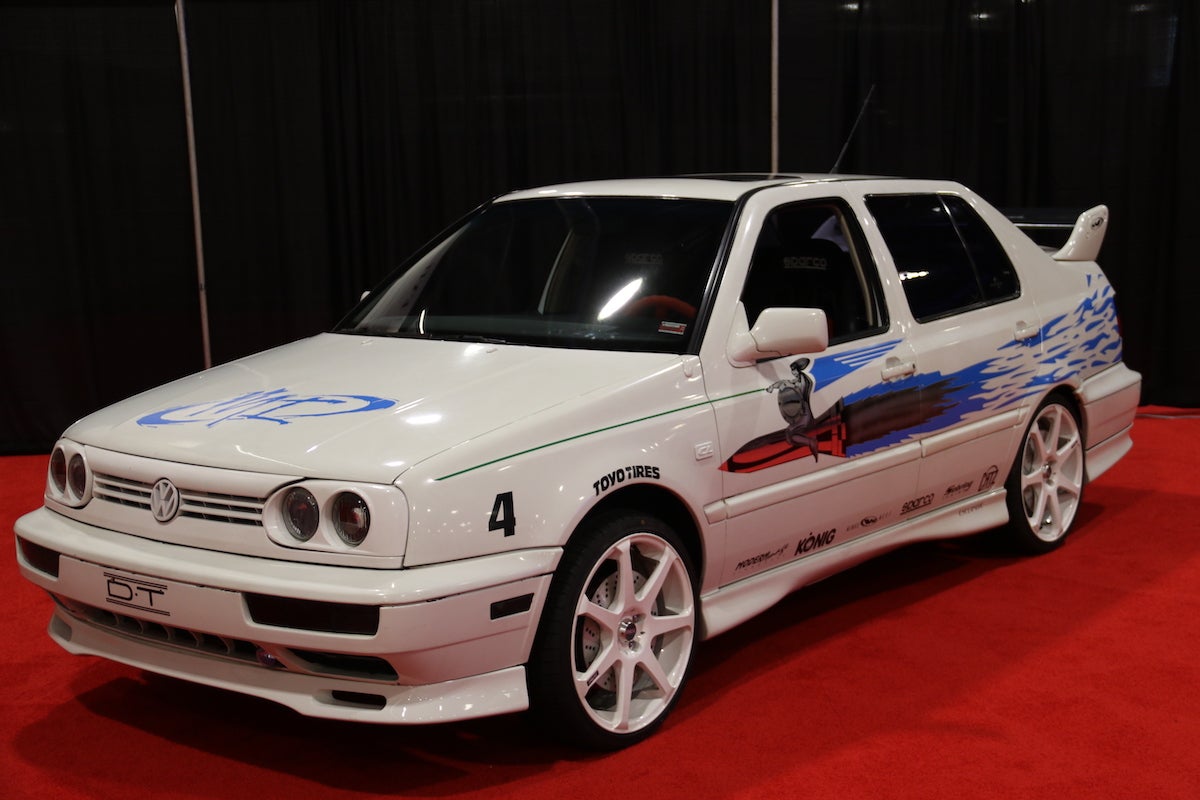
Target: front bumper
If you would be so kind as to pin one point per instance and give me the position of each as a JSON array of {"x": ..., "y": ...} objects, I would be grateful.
[{"x": 414, "y": 645}]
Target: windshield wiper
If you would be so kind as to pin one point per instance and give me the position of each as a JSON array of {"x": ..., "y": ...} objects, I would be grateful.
[
  {"x": 448, "y": 336},
  {"x": 359, "y": 330},
  {"x": 468, "y": 337}
]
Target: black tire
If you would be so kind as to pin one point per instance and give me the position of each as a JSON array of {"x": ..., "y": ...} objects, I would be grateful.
[
  {"x": 1045, "y": 485},
  {"x": 616, "y": 639}
]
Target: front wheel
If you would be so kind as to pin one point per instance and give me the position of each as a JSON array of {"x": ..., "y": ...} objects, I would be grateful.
[
  {"x": 1045, "y": 485},
  {"x": 616, "y": 640}
]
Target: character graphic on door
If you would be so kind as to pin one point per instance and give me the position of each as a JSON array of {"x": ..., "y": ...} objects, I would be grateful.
[
  {"x": 795, "y": 404},
  {"x": 806, "y": 433}
]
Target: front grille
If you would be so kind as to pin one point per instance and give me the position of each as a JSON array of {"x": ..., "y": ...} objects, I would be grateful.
[
  {"x": 229, "y": 508},
  {"x": 164, "y": 634}
]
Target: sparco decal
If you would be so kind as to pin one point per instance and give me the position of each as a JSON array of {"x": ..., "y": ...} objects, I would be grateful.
[
  {"x": 760, "y": 558},
  {"x": 915, "y": 503},
  {"x": 815, "y": 541},
  {"x": 623, "y": 474}
]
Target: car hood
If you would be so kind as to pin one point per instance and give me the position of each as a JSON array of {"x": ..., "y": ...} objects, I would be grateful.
[{"x": 352, "y": 407}]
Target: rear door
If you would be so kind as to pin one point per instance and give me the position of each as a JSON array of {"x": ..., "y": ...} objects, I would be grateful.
[{"x": 977, "y": 340}]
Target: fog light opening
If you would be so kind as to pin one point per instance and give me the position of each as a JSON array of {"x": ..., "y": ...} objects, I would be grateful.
[
  {"x": 374, "y": 702},
  {"x": 267, "y": 660}
]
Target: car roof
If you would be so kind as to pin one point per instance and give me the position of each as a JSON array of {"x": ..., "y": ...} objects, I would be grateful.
[{"x": 709, "y": 187}]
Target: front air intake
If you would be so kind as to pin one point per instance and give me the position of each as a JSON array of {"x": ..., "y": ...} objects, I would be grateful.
[{"x": 313, "y": 615}]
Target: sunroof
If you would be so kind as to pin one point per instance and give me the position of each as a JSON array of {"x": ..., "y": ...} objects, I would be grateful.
[{"x": 749, "y": 177}]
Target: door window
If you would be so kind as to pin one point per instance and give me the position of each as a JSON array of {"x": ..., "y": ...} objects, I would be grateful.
[{"x": 810, "y": 255}]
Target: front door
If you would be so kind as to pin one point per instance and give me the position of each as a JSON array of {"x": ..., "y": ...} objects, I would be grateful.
[{"x": 813, "y": 448}]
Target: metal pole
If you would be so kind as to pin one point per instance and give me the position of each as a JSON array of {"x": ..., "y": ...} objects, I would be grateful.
[
  {"x": 774, "y": 86},
  {"x": 181, "y": 27}
]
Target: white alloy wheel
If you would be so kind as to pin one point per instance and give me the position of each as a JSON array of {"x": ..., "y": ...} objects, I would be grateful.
[
  {"x": 619, "y": 634},
  {"x": 1046, "y": 483}
]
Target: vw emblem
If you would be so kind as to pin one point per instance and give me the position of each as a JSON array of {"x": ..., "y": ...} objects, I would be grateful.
[{"x": 164, "y": 501}]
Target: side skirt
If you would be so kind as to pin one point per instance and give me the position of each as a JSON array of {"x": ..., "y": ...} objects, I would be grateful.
[{"x": 735, "y": 603}]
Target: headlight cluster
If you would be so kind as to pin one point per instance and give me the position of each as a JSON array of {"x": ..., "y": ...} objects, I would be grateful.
[
  {"x": 344, "y": 513},
  {"x": 301, "y": 514},
  {"x": 69, "y": 480},
  {"x": 351, "y": 518}
]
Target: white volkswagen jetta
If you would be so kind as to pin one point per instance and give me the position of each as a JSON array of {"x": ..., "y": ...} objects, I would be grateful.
[{"x": 585, "y": 428}]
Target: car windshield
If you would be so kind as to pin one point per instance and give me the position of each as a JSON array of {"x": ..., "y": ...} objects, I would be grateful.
[{"x": 612, "y": 273}]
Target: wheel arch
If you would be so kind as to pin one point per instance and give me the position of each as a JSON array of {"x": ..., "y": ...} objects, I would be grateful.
[
  {"x": 1069, "y": 393},
  {"x": 662, "y": 503},
  {"x": 1044, "y": 525},
  {"x": 555, "y": 698}
]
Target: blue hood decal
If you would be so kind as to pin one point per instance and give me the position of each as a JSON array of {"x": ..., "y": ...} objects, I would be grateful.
[{"x": 277, "y": 405}]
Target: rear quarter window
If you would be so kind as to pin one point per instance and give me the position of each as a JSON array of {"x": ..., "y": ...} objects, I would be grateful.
[{"x": 948, "y": 259}]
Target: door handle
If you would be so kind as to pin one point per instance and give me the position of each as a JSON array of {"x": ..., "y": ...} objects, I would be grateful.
[
  {"x": 894, "y": 368},
  {"x": 1024, "y": 332}
]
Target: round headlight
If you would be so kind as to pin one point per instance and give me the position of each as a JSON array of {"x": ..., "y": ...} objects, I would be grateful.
[
  {"x": 351, "y": 518},
  {"x": 77, "y": 476},
  {"x": 58, "y": 470},
  {"x": 300, "y": 513}
]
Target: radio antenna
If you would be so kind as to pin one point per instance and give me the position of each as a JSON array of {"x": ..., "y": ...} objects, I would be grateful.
[{"x": 857, "y": 120}]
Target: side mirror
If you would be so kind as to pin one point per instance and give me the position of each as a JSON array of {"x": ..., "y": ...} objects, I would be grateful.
[{"x": 779, "y": 332}]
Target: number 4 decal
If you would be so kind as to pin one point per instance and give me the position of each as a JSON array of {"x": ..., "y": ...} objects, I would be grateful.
[{"x": 503, "y": 518}]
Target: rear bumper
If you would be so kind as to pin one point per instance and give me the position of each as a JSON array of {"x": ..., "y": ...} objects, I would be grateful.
[
  {"x": 1110, "y": 400},
  {"x": 415, "y": 645}
]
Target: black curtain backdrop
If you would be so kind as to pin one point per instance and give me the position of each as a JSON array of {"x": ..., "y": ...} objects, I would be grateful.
[
  {"x": 335, "y": 137},
  {"x": 98, "y": 298}
]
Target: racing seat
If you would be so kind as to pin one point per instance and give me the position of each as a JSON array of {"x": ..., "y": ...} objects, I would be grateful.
[{"x": 811, "y": 273}]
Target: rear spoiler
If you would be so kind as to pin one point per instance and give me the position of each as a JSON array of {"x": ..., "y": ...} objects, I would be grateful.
[{"x": 1047, "y": 227}]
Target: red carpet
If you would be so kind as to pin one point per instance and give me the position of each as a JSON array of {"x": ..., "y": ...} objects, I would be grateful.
[{"x": 940, "y": 671}]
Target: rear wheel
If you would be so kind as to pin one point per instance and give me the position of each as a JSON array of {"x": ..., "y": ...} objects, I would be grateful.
[
  {"x": 616, "y": 640},
  {"x": 1045, "y": 485}
]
